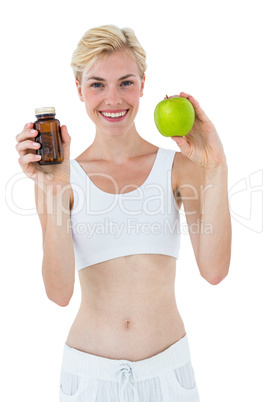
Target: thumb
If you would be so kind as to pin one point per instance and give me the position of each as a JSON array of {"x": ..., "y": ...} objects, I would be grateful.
[{"x": 66, "y": 140}]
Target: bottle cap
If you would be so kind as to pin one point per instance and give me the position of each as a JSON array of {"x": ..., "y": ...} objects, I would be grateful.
[{"x": 44, "y": 110}]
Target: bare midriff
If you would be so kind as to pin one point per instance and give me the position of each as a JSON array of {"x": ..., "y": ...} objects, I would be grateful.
[{"x": 128, "y": 308}]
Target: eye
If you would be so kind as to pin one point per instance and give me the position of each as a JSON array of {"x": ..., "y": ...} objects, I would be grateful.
[
  {"x": 128, "y": 83},
  {"x": 96, "y": 83},
  {"x": 124, "y": 84}
]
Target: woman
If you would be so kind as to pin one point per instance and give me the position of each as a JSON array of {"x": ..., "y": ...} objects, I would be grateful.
[{"x": 112, "y": 213}]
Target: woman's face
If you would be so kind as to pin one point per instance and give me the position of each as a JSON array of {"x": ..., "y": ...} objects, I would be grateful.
[{"x": 112, "y": 85}]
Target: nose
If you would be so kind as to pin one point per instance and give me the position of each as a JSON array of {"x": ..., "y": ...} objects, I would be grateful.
[{"x": 113, "y": 96}]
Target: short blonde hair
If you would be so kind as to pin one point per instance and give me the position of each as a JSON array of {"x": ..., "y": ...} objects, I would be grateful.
[{"x": 101, "y": 41}]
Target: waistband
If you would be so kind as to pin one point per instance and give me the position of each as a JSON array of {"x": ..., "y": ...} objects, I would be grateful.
[{"x": 101, "y": 368}]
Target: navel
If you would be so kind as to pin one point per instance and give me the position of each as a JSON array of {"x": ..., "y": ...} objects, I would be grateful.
[{"x": 127, "y": 324}]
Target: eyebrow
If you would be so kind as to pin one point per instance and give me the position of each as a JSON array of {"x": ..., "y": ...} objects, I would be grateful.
[{"x": 102, "y": 79}]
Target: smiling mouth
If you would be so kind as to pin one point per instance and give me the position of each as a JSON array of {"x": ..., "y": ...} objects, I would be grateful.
[{"x": 114, "y": 116}]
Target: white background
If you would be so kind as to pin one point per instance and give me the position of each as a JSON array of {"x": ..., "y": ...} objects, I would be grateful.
[{"x": 215, "y": 51}]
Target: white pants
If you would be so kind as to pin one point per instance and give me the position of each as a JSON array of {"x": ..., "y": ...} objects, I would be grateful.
[{"x": 165, "y": 377}]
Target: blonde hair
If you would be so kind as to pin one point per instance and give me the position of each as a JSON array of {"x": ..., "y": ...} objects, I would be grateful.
[{"x": 101, "y": 41}]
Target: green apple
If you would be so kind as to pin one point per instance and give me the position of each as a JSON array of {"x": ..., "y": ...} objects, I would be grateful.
[{"x": 174, "y": 116}]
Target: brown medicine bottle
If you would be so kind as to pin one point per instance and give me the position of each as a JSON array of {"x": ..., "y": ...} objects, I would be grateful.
[{"x": 49, "y": 136}]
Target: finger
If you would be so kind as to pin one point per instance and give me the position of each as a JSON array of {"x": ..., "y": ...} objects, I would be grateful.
[
  {"x": 180, "y": 140},
  {"x": 29, "y": 125},
  {"x": 26, "y": 159},
  {"x": 184, "y": 95},
  {"x": 23, "y": 147},
  {"x": 182, "y": 143},
  {"x": 198, "y": 110},
  {"x": 26, "y": 133}
]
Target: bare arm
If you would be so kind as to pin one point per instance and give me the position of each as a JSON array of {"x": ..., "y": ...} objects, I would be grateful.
[
  {"x": 205, "y": 200},
  {"x": 215, "y": 243},
  {"x": 58, "y": 267},
  {"x": 53, "y": 196},
  {"x": 205, "y": 171}
]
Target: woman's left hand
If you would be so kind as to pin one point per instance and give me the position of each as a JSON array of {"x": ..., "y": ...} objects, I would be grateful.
[{"x": 202, "y": 144}]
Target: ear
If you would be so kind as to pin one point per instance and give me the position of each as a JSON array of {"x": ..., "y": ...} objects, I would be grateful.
[
  {"x": 79, "y": 90},
  {"x": 142, "y": 85}
]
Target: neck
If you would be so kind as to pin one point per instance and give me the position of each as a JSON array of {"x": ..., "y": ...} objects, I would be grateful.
[{"x": 117, "y": 147}]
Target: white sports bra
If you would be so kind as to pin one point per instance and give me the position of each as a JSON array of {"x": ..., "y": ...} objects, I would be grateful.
[{"x": 143, "y": 221}]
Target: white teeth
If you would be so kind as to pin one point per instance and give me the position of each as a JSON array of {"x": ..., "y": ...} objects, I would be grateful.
[{"x": 114, "y": 114}]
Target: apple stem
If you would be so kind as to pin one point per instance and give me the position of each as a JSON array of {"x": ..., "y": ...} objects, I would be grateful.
[{"x": 167, "y": 97}]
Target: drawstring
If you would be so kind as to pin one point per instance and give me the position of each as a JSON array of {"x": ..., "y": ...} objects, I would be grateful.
[{"x": 124, "y": 381}]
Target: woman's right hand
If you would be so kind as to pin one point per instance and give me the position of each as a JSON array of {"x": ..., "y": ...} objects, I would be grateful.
[{"x": 51, "y": 178}]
